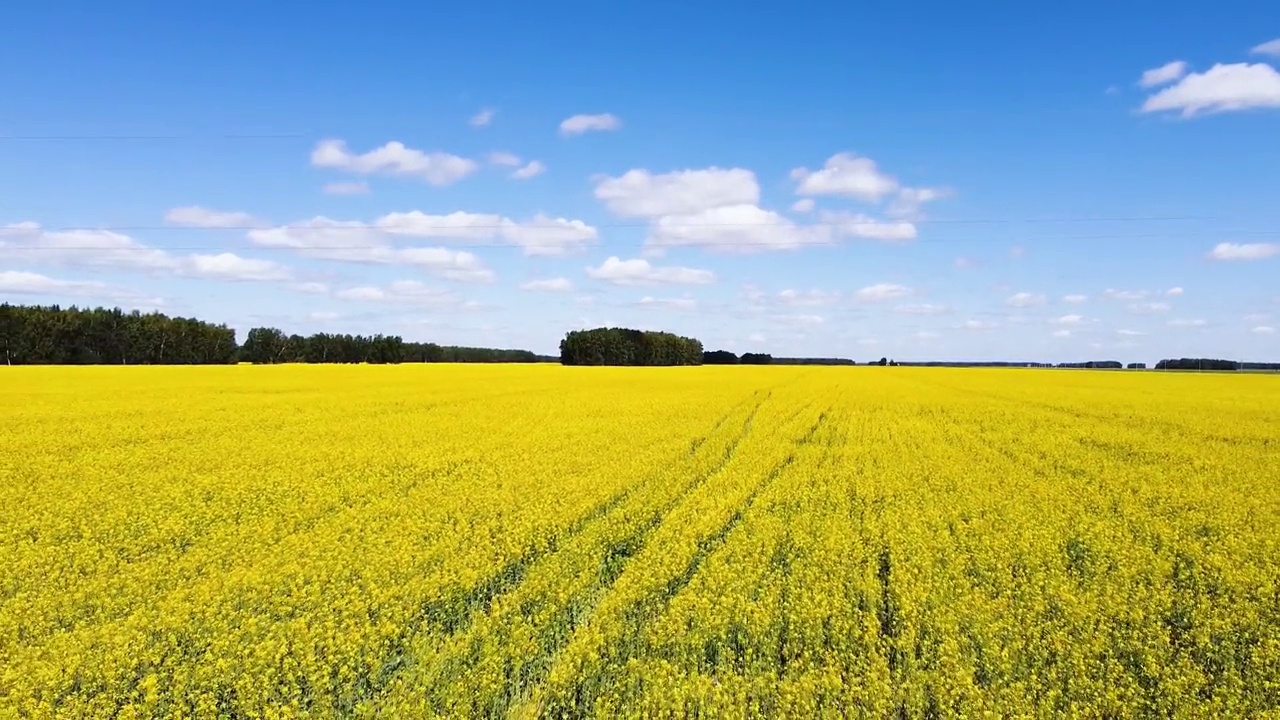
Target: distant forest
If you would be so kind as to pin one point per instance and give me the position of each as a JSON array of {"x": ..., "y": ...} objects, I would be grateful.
[{"x": 53, "y": 335}]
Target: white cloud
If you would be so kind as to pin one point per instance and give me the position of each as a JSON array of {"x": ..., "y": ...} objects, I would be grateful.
[
  {"x": 803, "y": 205},
  {"x": 1024, "y": 299},
  {"x": 1174, "y": 292},
  {"x": 346, "y": 188},
  {"x": 978, "y": 325},
  {"x": 345, "y": 241},
  {"x": 848, "y": 175},
  {"x": 1075, "y": 299},
  {"x": 1222, "y": 88},
  {"x": 1244, "y": 251},
  {"x": 107, "y": 250},
  {"x": 1163, "y": 75},
  {"x": 228, "y": 266},
  {"x": 861, "y": 226},
  {"x": 407, "y": 292},
  {"x": 1061, "y": 333},
  {"x": 1187, "y": 323},
  {"x": 504, "y": 159},
  {"x": 1256, "y": 317},
  {"x": 549, "y": 285},
  {"x": 1263, "y": 330},
  {"x": 1068, "y": 320},
  {"x": 668, "y": 303},
  {"x": 579, "y": 124},
  {"x": 1130, "y": 333},
  {"x": 1149, "y": 308},
  {"x": 339, "y": 240},
  {"x": 1017, "y": 251},
  {"x": 196, "y": 216},
  {"x": 908, "y": 202},
  {"x": 1125, "y": 295},
  {"x": 14, "y": 282},
  {"x": 436, "y": 168},
  {"x": 733, "y": 228},
  {"x": 923, "y": 309},
  {"x": 800, "y": 319},
  {"x": 482, "y": 118},
  {"x": 639, "y": 193},
  {"x": 926, "y": 335},
  {"x": 883, "y": 291},
  {"x": 1271, "y": 47},
  {"x": 812, "y": 298},
  {"x": 532, "y": 169},
  {"x": 641, "y": 272},
  {"x": 311, "y": 288},
  {"x": 963, "y": 263}
]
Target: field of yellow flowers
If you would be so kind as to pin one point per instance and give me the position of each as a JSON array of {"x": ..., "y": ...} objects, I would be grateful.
[{"x": 541, "y": 541}]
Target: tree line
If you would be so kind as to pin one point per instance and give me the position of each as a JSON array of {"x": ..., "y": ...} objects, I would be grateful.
[
  {"x": 53, "y": 335},
  {"x": 624, "y": 346}
]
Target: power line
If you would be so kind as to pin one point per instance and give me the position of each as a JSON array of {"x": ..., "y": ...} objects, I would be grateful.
[
  {"x": 462, "y": 243},
  {"x": 223, "y": 136},
  {"x": 417, "y": 227}
]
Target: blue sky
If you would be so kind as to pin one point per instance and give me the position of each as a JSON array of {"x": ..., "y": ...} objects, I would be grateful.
[{"x": 922, "y": 181}]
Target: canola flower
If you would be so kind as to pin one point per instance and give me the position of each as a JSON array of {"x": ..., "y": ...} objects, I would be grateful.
[{"x": 539, "y": 541}]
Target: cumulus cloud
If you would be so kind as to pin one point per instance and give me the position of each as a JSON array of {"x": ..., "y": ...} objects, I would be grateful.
[
  {"x": 683, "y": 303},
  {"x": 1163, "y": 75},
  {"x": 1244, "y": 251},
  {"x": 1263, "y": 330},
  {"x": 14, "y": 282},
  {"x": 979, "y": 325},
  {"x": 531, "y": 169},
  {"x": 394, "y": 158},
  {"x": 108, "y": 250},
  {"x": 883, "y": 291},
  {"x": 1130, "y": 333},
  {"x": 344, "y": 241},
  {"x": 310, "y": 288},
  {"x": 733, "y": 228},
  {"x": 346, "y": 188},
  {"x": 803, "y": 205},
  {"x": 1025, "y": 299},
  {"x": 482, "y": 118},
  {"x": 196, "y": 216},
  {"x": 1125, "y": 295},
  {"x": 923, "y": 309},
  {"x": 548, "y": 285},
  {"x": 1174, "y": 292},
  {"x": 810, "y": 298},
  {"x": 857, "y": 225},
  {"x": 228, "y": 266},
  {"x": 324, "y": 238},
  {"x": 848, "y": 175},
  {"x": 1221, "y": 88},
  {"x": 400, "y": 292},
  {"x": 1075, "y": 299},
  {"x": 1271, "y": 47},
  {"x": 640, "y": 272},
  {"x": 1061, "y": 333},
  {"x": 1149, "y": 308},
  {"x": 504, "y": 159},
  {"x": 639, "y": 193},
  {"x": 909, "y": 201},
  {"x": 579, "y": 124},
  {"x": 1068, "y": 320}
]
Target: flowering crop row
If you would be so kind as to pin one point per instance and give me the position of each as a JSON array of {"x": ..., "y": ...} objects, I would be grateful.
[{"x": 460, "y": 541}]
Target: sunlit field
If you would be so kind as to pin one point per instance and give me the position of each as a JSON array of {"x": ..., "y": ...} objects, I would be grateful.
[{"x": 540, "y": 541}]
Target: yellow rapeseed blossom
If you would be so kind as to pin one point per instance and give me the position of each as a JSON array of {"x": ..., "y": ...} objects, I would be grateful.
[{"x": 540, "y": 541}]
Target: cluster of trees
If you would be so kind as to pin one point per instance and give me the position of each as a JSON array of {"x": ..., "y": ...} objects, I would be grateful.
[
  {"x": 623, "y": 346},
  {"x": 1213, "y": 364},
  {"x": 267, "y": 345},
  {"x": 53, "y": 335}
]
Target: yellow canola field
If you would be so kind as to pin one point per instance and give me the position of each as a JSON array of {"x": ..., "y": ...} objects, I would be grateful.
[{"x": 540, "y": 541}]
